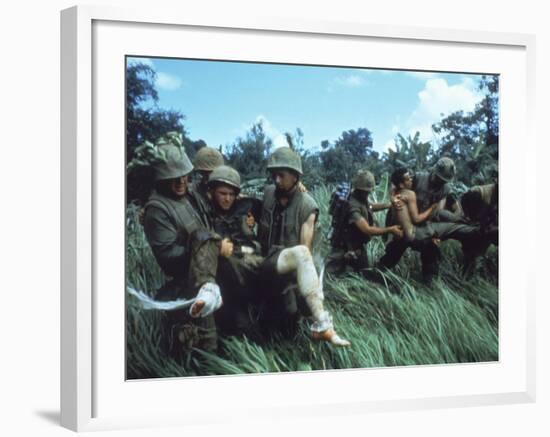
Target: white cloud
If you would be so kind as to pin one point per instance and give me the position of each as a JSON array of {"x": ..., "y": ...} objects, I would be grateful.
[
  {"x": 168, "y": 82},
  {"x": 277, "y": 138},
  {"x": 437, "y": 98},
  {"x": 352, "y": 81}
]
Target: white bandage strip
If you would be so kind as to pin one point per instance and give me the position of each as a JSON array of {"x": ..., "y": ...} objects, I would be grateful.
[
  {"x": 147, "y": 303},
  {"x": 209, "y": 293}
]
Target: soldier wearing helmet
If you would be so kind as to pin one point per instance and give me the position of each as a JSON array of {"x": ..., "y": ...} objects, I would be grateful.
[
  {"x": 230, "y": 212},
  {"x": 285, "y": 231},
  {"x": 179, "y": 238},
  {"x": 431, "y": 192},
  {"x": 480, "y": 206},
  {"x": 357, "y": 227},
  {"x": 206, "y": 160},
  {"x": 237, "y": 274}
]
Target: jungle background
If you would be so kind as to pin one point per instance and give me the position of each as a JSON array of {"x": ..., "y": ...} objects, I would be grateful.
[{"x": 399, "y": 322}]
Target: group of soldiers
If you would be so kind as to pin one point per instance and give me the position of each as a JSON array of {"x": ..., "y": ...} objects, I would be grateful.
[
  {"x": 247, "y": 263},
  {"x": 422, "y": 213}
]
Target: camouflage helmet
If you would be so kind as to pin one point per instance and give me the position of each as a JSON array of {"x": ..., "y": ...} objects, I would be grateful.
[
  {"x": 285, "y": 157},
  {"x": 364, "y": 180},
  {"x": 173, "y": 162},
  {"x": 225, "y": 175},
  {"x": 207, "y": 159},
  {"x": 445, "y": 169}
]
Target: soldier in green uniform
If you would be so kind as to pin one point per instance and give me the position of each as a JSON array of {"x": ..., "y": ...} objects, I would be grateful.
[
  {"x": 431, "y": 188},
  {"x": 286, "y": 231},
  {"x": 206, "y": 160},
  {"x": 480, "y": 206},
  {"x": 181, "y": 241},
  {"x": 238, "y": 274},
  {"x": 357, "y": 228}
]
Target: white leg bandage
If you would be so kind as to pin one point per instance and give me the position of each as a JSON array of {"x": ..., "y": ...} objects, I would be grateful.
[{"x": 298, "y": 259}]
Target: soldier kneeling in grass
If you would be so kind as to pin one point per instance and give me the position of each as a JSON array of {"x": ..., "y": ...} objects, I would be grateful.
[{"x": 353, "y": 226}]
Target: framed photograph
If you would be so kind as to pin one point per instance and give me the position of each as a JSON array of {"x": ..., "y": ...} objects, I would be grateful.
[{"x": 408, "y": 149}]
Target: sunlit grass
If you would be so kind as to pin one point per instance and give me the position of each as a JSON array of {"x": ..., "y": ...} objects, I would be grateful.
[{"x": 397, "y": 322}]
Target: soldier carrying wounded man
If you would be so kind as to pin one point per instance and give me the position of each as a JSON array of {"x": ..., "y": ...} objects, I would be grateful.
[{"x": 284, "y": 257}]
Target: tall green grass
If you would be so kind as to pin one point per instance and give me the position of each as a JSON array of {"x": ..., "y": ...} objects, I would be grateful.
[{"x": 397, "y": 322}]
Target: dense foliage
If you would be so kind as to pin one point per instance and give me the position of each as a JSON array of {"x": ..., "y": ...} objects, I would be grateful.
[{"x": 471, "y": 139}]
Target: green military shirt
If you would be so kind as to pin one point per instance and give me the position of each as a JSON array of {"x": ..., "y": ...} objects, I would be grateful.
[
  {"x": 280, "y": 226},
  {"x": 426, "y": 194},
  {"x": 233, "y": 224},
  {"x": 488, "y": 213},
  {"x": 353, "y": 237},
  {"x": 199, "y": 193},
  {"x": 168, "y": 224}
]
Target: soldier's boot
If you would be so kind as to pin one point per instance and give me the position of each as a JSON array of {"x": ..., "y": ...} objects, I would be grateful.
[
  {"x": 323, "y": 329},
  {"x": 200, "y": 333}
]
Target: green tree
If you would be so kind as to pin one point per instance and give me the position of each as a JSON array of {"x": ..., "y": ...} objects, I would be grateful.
[
  {"x": 351, "y": 152},
  {"x": 248, "y": 154},
  {"x": 145, "y": 121},
  {"x": 472, "y": 138},
  {"x": 410, "y": 153}
]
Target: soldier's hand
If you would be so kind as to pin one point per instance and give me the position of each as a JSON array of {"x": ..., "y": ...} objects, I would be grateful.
[
  {"x": 141, "y": 216},
  {"x": 397, "y": 202},
  {"x": 250, "y": 221},
  {"x": 302, "y": 187},
  {"x": 226, "y": 248},
  {"x": 396, "y": 231}
]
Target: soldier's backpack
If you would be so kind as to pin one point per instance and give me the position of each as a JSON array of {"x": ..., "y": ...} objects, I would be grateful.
[{"x": 338, "y": 208}]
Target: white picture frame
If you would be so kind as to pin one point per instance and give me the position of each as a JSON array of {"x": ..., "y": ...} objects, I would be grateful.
[{"x": 93, "y": 396}]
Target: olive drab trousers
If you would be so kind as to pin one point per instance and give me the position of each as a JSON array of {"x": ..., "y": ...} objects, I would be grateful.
[{"x": 430, "y": 253}]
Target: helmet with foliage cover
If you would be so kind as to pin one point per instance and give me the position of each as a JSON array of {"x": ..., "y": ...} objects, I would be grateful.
[
  {"x": 286, "y": 158},
  {"x": 207, "y": 159},
  {"x": 225, "y": 175},
  {"x": 445, "y": 169},
  {"x": 364, "y": 181},
  {"x": 171, "y": 161}
]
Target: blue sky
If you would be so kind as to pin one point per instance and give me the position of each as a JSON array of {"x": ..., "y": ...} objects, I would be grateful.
[{"x": 221, "y": 100}]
